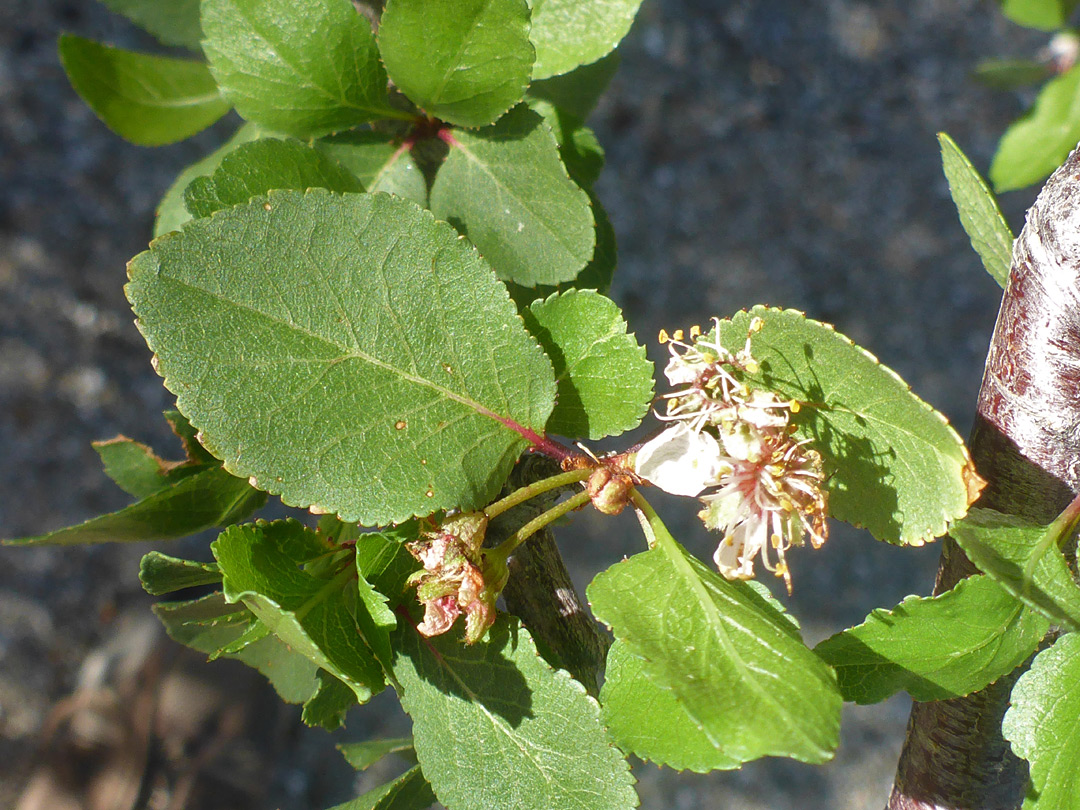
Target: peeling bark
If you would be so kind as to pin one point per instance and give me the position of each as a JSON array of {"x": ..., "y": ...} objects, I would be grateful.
[{"x": 1026, "y": 444}]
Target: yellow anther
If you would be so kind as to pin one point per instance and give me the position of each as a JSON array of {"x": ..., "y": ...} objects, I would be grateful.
[
  {"x": 678, "y": 334},
  {"x": 795, "y": 406},
  {"x": 752, "y": 366},
  {"x": 663, "y": 337},
  {"x": 756, "y": 325},
  {"x": 695, "y": 331}
]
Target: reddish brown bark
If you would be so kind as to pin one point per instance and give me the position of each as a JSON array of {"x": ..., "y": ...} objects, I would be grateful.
[{"x": 1026, "y": 444}]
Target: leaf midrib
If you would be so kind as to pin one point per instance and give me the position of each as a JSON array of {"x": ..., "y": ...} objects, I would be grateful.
[{"x": 346, "y": 353}]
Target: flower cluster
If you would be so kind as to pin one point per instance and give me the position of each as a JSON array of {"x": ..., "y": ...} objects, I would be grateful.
[
  {"x": 459, "y": 576},
  {"x": 764, "y": 488}
]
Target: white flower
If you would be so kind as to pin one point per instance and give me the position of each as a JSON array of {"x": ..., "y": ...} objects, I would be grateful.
[{"x": 681, "y": 461}]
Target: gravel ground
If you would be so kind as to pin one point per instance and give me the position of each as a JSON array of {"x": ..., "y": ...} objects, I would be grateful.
[{"x": 774, "y": 151}]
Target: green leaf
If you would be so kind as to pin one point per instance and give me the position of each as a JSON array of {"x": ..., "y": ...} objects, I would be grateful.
[
  {"x": 388, "y": 375},
  {"x": 1041, "y": 725},
  {"x": 134, "y": 467},
  {"x": 199, "y": 501},
  {"x": 148, "y": 100},
  {"x": 495, "y": 708},
  {"x": 268, "y": 566},
  {"x": 597, "y": 275},
  {"x": 379, "y": 164},
  {"x": 410, "y": 791},
  {"x": 189, "y": 438},
  {"x": 173, "y": 22},
  {"x": 171, "y": 211},
  {"x": 328, "y": 706},
  {"x": 1010, "y": 74},
  {"x": 979, "y": 213},
  {"x": 209, "y": 625},
  {"x": 579, "y": 149},
  {"x": 506, "y": 188},
  {"x": 730, "y": 659},
  {"x": 577, "y": 92},
  {"x": 1036, "y": 144},
  {"x": 935, "y": 649},
  {"x": 1003, "y": 547},
  {"x": 651, "y": 722},
  {"x": 605, "y": 381},
  {"x": 568, "y": 33},
  {"x": 160, "y": 573},
  {"x": 463, "y": 61},
  {"x": 1046, "y": 15},
  {"x": 894, "y": 464},
  {"x": 305, "y": 69},
  {"x": 362, "y": 755},
  {"x": 254, "y": 168}
]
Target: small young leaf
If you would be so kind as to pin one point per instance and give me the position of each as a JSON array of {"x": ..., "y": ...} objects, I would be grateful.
[
  {"x": 463, "y": 61},
  {"x": 410, "y": 791},
  {"x": 579, "y": 149},
  {"x": 506, "y": 188},
  {"x": 305, "y": 69},
  {"x": 495, "y": 726},
  {"x": 894, "y": 464},
  {"x": 199, "y": 501},
  {"x": 1036, "y": 144},
  {"x": 605, "y": 381},
  {"x": 210, "y": 624},
  {"x": 1046, "y": 15},
  {"x": 171, "y": 212},
  {"x": 363, "y": 755},
  {"x": 173, "y": 22},
  {"x": 935, "y": 648},
  {"x": 597, "y": 275},
  {"x": 390, "y": 362},
  {"x": 979, "y": 212},
  {"x": 328, "y": 706},
  {"x": 1002, "y": 546},
  {"x": 254, "y": 168},
  {"x": 160, "y": 573},
  {"x": 1041, "y": 725},
  {"x": 189, "y": 438},
  {"x": 379, "y": 164},
  {"x": 568, "y": 33},
  {"x": 1010, "y": 74},
  {"x": 134, "y": 467},
  {"x": 735, "y": 665},
  {"x": 652, "y": 723},
  {"x": 264, "y": 567},
  {"x": 148, "y": 100},
  {"x": 577, "y": 92}
]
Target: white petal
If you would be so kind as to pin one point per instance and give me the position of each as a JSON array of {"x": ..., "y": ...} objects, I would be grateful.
[{"x": 680, "y": 461}]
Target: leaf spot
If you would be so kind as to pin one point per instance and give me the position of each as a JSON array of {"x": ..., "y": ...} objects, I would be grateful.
[{"x": 399, "y": 425}]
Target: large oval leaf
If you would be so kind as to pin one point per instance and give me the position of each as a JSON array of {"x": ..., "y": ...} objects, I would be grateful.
[
  {"x": 506, "y": 188},
  {"x": 1041, "y": 725},
  {"x": 894, "y": 464},
  {"x": 149, "y": 100},
  {"x": 935, "y": 648},
  {"x": 1037, "y": 143},
  {"x": 464, "y": 61},
  {"x": 306, "y": 69},
  {"x": 732, "y": 662},
  {"x": 345, "y": 351},
  {"x": 495, "y": 727},
  {"x": 568, "y": 33}
]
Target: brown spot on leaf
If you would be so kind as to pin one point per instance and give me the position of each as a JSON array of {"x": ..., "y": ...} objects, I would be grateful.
[{"x": 399, "y": 425}]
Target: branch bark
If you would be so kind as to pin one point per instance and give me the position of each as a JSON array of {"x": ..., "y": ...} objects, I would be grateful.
[
  {"x": 540, "y": 591},
  {"x": 1026, "y": 444}
]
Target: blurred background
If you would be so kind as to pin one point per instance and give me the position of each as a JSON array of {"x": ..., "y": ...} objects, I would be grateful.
[{"x": 767, "y": 151}]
